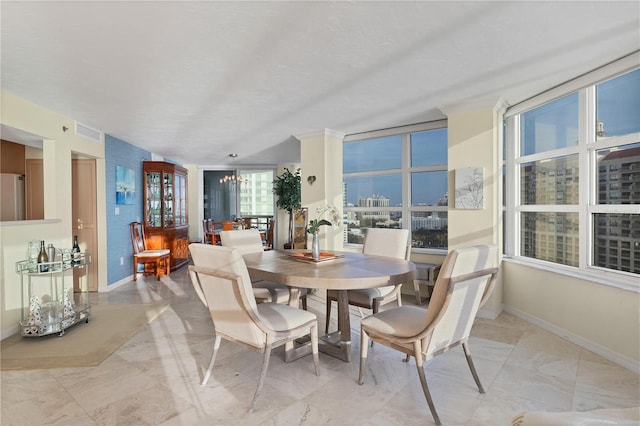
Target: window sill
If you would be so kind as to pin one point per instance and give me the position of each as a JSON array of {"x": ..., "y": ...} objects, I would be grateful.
[{"x": 619, "y": 280}]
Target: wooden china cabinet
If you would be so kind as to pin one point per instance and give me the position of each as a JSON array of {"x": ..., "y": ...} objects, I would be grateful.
[{"x": 166, "y": 223}]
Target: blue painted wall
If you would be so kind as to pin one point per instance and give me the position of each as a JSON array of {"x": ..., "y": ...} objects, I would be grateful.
[{"x": 120, "y": 153}]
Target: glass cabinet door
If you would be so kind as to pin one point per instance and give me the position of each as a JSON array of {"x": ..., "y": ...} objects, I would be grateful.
[
  {"x": 180, "y": 200},
  {"x": 154, "y": 214},
  {"x": 168, "y": 200}
]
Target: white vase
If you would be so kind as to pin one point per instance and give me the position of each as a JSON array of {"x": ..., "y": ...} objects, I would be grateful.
[{"x": 315, "y": 246}]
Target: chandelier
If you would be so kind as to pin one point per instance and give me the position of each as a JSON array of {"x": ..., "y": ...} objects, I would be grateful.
[{"x": 233, "y": 179}]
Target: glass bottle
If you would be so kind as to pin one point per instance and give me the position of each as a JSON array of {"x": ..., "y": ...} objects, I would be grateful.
[
  {"x": 43, "y": 258},
  {"x": 75, "y": 251}
]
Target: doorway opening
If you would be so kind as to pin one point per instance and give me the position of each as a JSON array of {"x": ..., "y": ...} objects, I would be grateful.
[{"x": 241, "y": 193}]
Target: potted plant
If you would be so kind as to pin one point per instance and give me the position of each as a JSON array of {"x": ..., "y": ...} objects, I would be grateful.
[{"x": 287, "y": 189}]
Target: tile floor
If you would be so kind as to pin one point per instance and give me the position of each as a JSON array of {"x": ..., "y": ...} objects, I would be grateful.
[{"x": 153, "y": 379}]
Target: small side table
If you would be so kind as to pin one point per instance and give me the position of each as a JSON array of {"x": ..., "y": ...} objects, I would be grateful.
[{"x": 425, "y": 274}]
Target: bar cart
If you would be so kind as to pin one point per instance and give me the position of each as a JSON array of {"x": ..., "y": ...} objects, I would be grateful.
[{"x": 48, "y": 307}]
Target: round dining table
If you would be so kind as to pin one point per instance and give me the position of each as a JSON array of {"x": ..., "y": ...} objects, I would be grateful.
[{"x": 341, "y": 271}]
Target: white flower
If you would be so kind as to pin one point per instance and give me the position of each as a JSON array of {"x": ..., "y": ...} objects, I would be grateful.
[{"x": 331, "y": 212}]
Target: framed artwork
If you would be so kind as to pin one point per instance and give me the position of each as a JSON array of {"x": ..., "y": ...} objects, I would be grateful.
[
  {"x": 300, "y": 228},
  {"x": 469, "y": 188},
  {"x": 125, "y": 185}
]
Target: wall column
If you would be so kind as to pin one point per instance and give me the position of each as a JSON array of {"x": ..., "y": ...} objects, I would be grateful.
[
  {"x": 475, "y": 141},
  {"x": 321, "y": 157}
]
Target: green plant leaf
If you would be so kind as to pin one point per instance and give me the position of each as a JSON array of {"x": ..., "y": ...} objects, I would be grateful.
[{"x": 287, "y": 189}]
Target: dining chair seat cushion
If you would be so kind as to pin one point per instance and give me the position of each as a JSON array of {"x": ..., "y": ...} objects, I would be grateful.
[
  {"x": 153, "y": 253},
  {"x": 270, "y": 291},
  {"x": 363, "y": 296},
  {"x": 279, "y": 317},
  {"x": 402, "y": 321}
]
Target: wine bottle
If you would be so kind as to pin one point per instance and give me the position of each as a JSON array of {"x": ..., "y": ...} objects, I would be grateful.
[
  {"x": 75, "y": 251},
  {"x": 43, "y": 259}
]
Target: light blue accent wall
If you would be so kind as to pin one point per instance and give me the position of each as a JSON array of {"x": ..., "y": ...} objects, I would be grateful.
[{"x": 120, "y": 153}]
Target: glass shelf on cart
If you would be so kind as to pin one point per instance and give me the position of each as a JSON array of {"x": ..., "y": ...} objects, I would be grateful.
[{"x": 28, "y": 267}]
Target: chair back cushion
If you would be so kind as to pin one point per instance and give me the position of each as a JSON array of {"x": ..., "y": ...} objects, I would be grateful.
[
  {"x": 387, "y": 242},
  {"x": 244, "y": 240},
  {"x": 456, "y": 305},
  {"x": 232, "y": 309}
]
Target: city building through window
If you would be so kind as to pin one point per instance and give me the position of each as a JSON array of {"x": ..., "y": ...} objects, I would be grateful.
[
  {"x": 397, "y": 179},
  {"x": 573, "y": 163}
]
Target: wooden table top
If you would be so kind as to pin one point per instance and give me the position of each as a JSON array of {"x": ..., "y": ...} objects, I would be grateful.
[{"x": 348, "y": 272}]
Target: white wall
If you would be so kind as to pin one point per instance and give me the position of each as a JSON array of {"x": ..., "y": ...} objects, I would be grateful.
[
  {"x": 321, "y": 156},
  {"x": 195, "y": 206},
  {"x": 474, "y": 141},
  {"x": 603, "y": 319}
]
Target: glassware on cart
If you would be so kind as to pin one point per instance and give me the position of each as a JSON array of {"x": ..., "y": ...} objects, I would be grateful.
[
  {"x": 32, "y": 256},
  {"x": 66, "y": 257}
]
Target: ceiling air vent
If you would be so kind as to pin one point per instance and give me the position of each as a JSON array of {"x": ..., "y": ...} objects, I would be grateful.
[{"x": 88, "y": 132}]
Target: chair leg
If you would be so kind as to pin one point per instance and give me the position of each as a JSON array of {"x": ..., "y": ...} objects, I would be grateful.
[
  {"x": 135, "y": 269},
  {"x": 467, "y": 354},
  {"x": 328, "y": 317},
  {"x": 416, "y": 289},
  {"x": 303, "y": 299},
  {"x": 425, "y": 388},
  {"x": 375, "y": 307},
  {"x": 216, "y": 346},
  {"x": 263, "y": 374},
  {"x": 364, "y": 345},
  {"x": 314, "y": 347},
  {"x": 158, "y": 262}
]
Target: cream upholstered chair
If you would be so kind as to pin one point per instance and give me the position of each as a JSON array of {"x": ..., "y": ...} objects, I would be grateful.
[
  {"x": 377, "y": 242},
  {"x": 249, "y": 241},
  {"x": 220, "y": 278},
  {"x": 464, "y": 284}
]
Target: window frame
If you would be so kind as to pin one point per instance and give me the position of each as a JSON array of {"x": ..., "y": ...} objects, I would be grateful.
[
  {"x": 406, "y": 170},
  {"x": 586, "y": 149}
]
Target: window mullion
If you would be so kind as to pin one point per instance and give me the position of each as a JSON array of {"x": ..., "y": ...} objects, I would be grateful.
[
  {"x": 582, "y": 153},
  {"x": 406, "y": 182},
  {"x": 586, "y": 187},
  {"x": 511, "y": 187}
]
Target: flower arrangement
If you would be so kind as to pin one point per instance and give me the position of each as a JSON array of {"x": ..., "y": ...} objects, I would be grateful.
[{"x": 315, "y": 224}]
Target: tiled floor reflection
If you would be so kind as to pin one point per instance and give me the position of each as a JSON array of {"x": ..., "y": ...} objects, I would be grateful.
[{"x": 154, "y": 378}]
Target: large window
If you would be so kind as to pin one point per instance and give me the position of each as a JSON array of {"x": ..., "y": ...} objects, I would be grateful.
[
  {"x": 397, "y": 179},
  {"x": 573, "y": 164}
]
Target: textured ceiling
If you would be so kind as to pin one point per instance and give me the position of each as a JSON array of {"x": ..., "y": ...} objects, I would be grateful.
[{"x": 195, "y": 81}]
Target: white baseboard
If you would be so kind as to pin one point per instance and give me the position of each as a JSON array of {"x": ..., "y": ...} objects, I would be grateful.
[
  {"x": 594, "y": 347},
  {"x": 9, "y": 332},
  {"x": 488, "y": 314},
  {"x": 113, "y": 286}
]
